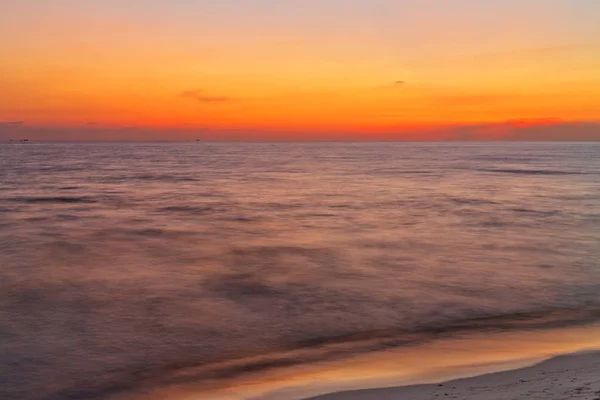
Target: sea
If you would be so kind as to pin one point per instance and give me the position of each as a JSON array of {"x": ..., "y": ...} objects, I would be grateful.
[{"x": 270, "y": 270}]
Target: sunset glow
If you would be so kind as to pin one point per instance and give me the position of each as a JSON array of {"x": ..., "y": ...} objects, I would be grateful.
[{"x": 265, "y": 69}]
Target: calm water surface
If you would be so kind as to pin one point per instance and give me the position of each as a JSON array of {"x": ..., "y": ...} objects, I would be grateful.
[{"x": 124, "y": 265}]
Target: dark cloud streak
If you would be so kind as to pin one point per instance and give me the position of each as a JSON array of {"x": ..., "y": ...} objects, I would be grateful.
[
  {"x": 199, "y": 96},
  {"x": 546, "y": 129},
  {"x": 527, "y": 130},
  {"x": 12, "y": 123}
]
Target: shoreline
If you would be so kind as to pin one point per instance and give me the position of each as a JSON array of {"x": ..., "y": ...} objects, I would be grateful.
[
  {"x": 570, "y": 376},
  {"x": 423, "y": 365}
]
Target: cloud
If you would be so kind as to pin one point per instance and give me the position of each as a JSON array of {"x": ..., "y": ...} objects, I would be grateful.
[
  {"x": 102, "y": 132},
  {"x": 12, "y": 123},
  {"x": 537, "y": 129},
  {"x": 8, "y": 128},
  {"x": 559, "y": 131},
  {"x": 543, "y": 129},
  {"x": 536, "y": 51},
  {"x": 199, "y": 96},
  {"x": 469, "y": 100}
]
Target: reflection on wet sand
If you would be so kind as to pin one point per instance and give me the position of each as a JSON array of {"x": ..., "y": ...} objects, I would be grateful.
[{"x": 432, "y": 361}]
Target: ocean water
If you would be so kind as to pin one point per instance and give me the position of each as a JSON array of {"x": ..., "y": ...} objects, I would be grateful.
[{"x": 126, "y": 267}]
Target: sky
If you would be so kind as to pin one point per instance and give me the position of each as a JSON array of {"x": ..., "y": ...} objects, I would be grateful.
[{"x": 300, "y": 69}]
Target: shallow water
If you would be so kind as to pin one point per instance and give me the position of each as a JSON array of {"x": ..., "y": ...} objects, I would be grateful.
[{"x": 125, "y": 265}]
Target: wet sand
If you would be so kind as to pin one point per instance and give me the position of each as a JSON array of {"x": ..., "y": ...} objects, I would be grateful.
[
  {"x": 535, "y": 361},
  {"x": 575, "y": 376}
]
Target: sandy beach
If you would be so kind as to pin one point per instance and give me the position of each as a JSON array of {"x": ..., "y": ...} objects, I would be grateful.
[{"x": 575, "y": 376}]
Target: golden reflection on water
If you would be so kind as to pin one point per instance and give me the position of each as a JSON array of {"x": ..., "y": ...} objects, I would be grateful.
[{"x": 435, "y": 361}]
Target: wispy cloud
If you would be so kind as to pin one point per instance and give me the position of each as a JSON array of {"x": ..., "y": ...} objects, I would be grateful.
[
  {"x": 470, "y": 100},
  {"x": 85, "y": 132},
  {"x": 201, "y": 97},
  {"x": 547, "y": 50},
  {"x": 545, "y": 129},
  {"x": 11, "y": 123},
  {"x": 537, "y": 129}
]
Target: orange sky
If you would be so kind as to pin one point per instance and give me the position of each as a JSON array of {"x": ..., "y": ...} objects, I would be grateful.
[{"x": 312, "y": 69}]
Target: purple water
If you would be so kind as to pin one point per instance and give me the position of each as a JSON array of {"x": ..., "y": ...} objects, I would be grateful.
[{"x": 121, "y": 263}]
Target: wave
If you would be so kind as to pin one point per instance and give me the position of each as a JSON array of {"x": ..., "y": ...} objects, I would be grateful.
[
  {"x": 469, "y": 201},
  {"x": 148, "y": 177},
  {"x": 537, "y": 212},
  {"x": 56, "y": 199},
  {"x": 399, "y": 171},
  {"x": 524, "y": 320},
  {"x": 319, "y": 349},
  {"x": 530, "y": 171},
  {"x": 188, "y": 209}
]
